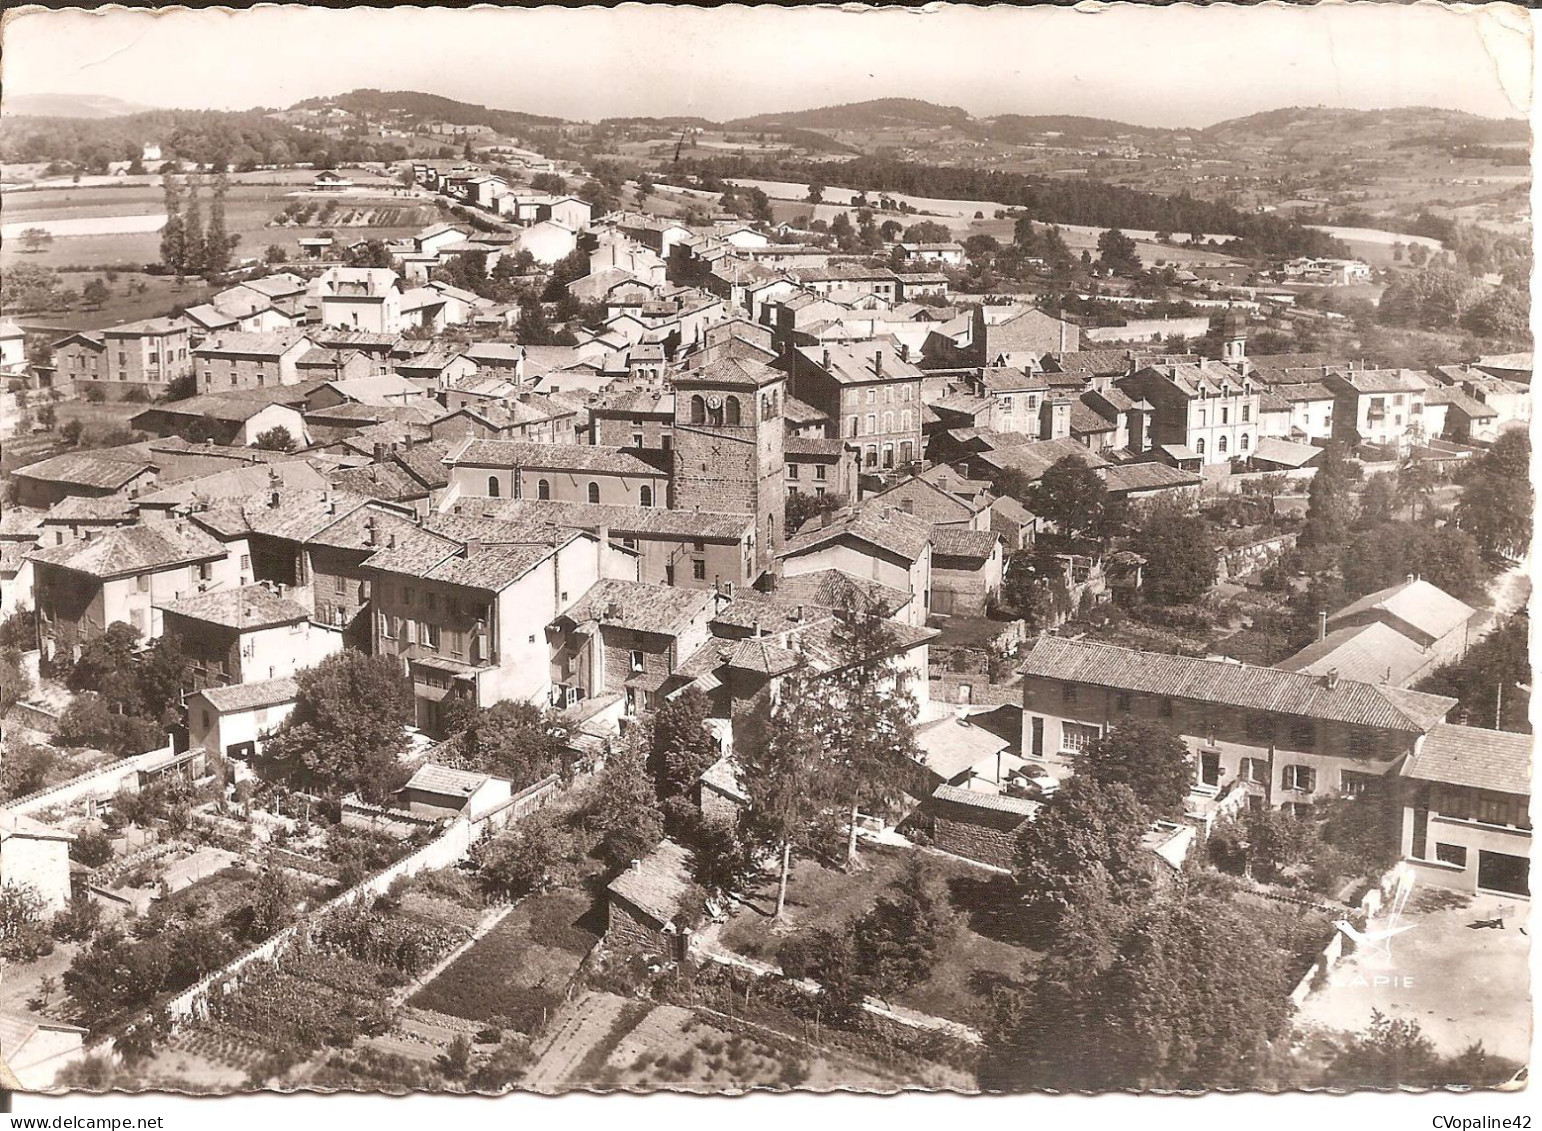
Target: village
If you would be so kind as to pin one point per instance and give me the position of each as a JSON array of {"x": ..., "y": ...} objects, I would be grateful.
[{"x": 586, "y": 641}]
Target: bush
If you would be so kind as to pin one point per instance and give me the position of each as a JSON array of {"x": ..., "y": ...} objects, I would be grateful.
[
  {"x": 91, "y": 848},
  {"x": 79, "y": 921},
  {"x": 136, "y": 394},
  {"x": 95, "y": 394}
]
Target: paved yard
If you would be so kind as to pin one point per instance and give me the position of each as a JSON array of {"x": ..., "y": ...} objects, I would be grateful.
[{"x": 1462, "y": 983}]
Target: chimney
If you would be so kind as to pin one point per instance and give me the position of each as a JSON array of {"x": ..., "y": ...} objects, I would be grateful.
[
  {"x": 369, "y": 531},
  {"x": 1411, "y": 579},
  {"x": 473, "y": 547},
  {"x": 827, "y": 359},
  {"x": 1331, "y": 680},
  {"x": 249, "y": 612},
  {"x": 380, "y": 452},
  {"x": 390, "y": 541},
  {"x": 878, "y": 363},
  {"x": 635, "y": 866}
]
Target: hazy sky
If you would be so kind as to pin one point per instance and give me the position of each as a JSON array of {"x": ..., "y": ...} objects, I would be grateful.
[{"x": 1161, "y": 67}]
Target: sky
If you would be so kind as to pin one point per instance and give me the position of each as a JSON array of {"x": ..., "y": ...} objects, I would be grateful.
[{"x": 1176, "y": 67}]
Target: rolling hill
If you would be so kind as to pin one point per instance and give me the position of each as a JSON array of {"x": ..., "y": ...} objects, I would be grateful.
[
  {"x": 877, "y": 114},
  {"x": 71, "y": 106},
  {"x": 428, "y": 107}
]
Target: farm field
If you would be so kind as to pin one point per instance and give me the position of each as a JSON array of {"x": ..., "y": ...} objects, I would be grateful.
[
  {"x": 250, "y": 206},
  {"x": 518, "y": 973}
]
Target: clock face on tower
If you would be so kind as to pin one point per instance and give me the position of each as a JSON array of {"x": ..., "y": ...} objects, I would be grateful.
[{"x": 714, "y": 401}]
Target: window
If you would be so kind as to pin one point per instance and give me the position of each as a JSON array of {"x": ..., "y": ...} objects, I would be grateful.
[
  {"x": 870, "y": 455},
  {"x": 1303, "y": 734},
  {"x": 1203, "y": 418},
  {"x": 1068, "y": 693},
  {"x": 872, "y": 424},
  {"x": 1244, "y": 441},
  {"x": 492, "y": 487},
  {"x": 853, "y": 426},
  {"x": 792, "y": 471},
  {"x": 1301, "y": 779},
  {"x": 1225, "y": 416},
  {"x": 1199, "y": 446},
  {"x": 1354, "y": 784},
  {"x": 429, "y": 634},
  {"x": 731, "y": 411},
  {"x": 1220, "y": 446},
  {"x": 888, "y": 455},
  {"x": 872, "y": 396},
  {"x": 819, "y": 471},
  {"x": 1454, "y": 854},
  {"x": 698, "y": 410},
  {"x": 594, "y": 492},
  {"x": 430, "y": 600},
  {"x": 629, "y": 543},
  {"x": 1076, "y": 737},
  {"x": 340, "y": 584},
  {"x": 698, "y": 569},
  {"x": 543, "y": 488},
  {"x": 637, "y": 439},
  {"x": 1247, "y": 413},
  {"x": 1006, "y": 404},
  {"x": 637, "y": 660},
  {"x": 407, "y": 596},
  {"x": 385, "y": 626},
  {"x": 645, "y": 495},
  {"x": 1255, "y": 770}
]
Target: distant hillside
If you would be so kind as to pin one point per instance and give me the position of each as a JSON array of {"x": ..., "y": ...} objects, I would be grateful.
[
  {"x": 1298, "y": 123},
  {"x": 661, "y": 123},
  {"x": 71, "y": 106},
  {"x": 1019, "y": 128},
  {"x": 878, "y": 114},
  {"x": 429, "y": 107}
]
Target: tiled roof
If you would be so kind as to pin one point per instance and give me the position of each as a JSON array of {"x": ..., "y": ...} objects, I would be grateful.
[
  {"x": 640, "y": 606},
  {"x": 856, "y": 364},
  {"x": 1038, "y": 456},
  {"x": 885, "y": 527},
  {"x": 1234, "y": 685},
  {"x": 1372, "y": 653},
  {"x": 949, "y": 746},
  {"x": 1468, "y": 406},
  {"x": 552, "y": 457},
  {"x": 1085, "y": 419},
  {"x": 824, "y": 587},
  {"x": 85, "y": 508},
  {"x": 619, "y": 520},
  {"x": 431, "y": 778},
  {"x": 270, "y": 344},
  {"x": 795, "y": 412},
  {"x": 659, "y": 882},
  {"x": 248, "y": 607},
  {"x": 733, "y": 371},
  {"x": 89, "y": 469},
  {"x": 1381, "y": 380},
  {"x": 1479, "y": 759},
  {"x": 375, "y": 481},
  {"x": 1013, "y": 380},
  {"x": 251, "y": 696},
  {"x": 154, "y": 326},
  {"x": 994, "y": 802},
  {"x": 1286, "y": 452},
  {"x": 962, "y": 542},
  {"x": 1147, "y": 476},
  {"x": 815, "y": 446},
  {"x": 1427, "y": 607},
  {"x": 123, "y": 550}
]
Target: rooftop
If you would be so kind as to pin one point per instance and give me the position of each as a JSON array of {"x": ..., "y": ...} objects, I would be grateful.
[
  {"x": 640, "y": 606},
  {"x": 658, "y": 883},
  {"x": 251, "y": 696},
  {"x": 125, "y": 550},
  {"x": 1426, "y": 607},
  {"x": 246, "y": 608},
  {"x": 1235, "y": 685},
  {"x": 1470, "y": 756}
]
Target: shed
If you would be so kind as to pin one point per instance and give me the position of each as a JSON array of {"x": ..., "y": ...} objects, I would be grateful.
[{"x": 643, "y": 903}]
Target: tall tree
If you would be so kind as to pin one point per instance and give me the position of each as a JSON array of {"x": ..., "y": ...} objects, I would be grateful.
[
  {"x": 627, "y": 817},
  {"x": 1084, "y": 846},
  {"x": 682, "y": 748},
  {"x": 1180, "y": 551},
  {"x": 346, "y": 730},
  {"x": 1497, "y": 496},
  {"x": 1148, "y": 758},
  {"x": 783, "y": 761},
  {"x": 871, "y": 708},
  {"x": 217, "y": 243},
  {"x": 1330, "y": 508},
  {"x": 1072, "y": 496},
  {"x": 193, "y": 253},
  {"x": 173, "y": 245}
]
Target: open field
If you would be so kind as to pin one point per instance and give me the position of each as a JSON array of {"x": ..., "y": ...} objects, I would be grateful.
[{"x": 250, "y": 207}]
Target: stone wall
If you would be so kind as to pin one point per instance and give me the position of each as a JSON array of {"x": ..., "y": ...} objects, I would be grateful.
[{"x": 974, "y": 841}]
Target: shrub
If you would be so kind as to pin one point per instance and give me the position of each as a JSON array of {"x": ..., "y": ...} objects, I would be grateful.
[
  {"x": 79, "y": 920},
  {"x": 95, "y": 394},
  {"x": 91, "y": 848}
]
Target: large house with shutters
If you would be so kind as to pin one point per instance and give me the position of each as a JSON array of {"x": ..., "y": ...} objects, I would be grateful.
[{"x": 1287, "y": 738}]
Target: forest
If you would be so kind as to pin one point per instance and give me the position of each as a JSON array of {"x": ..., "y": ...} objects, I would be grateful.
[
  {"x": 241, "y": 140},
  {"x": 1045, "y": 199}
]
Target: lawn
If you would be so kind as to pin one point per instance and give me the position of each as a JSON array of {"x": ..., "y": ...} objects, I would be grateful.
[
  {"x": 518, "y": 973},
  {"x": 985, "y": 952}
]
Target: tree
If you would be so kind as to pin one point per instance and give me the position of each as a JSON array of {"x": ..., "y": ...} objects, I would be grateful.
[
  {"x": 1180, "y": 551},
  {"x": 273, "y": 902},
  {"x": 33, "y": 240},
  {"x": 626, "y": 817},
  {"x": 275, "y": 254},
  {"x": 1496, "y": 502},
  {"x": 1084, "y": 849},
  {"x": 106, "y": 666},
  {"x": 22, "y": 937},
  {"x": 96, "y": 293},
  {"x": 1185, "y": 998},
  {"x": 682, "y": 746},
  {"x": 512, "y": 740},
  {"x": 180, "y": 388},
  {"x": 783, "y": 765},
  {"x": 899, "y": 941},
  {"x": 1072, "y": 496},
  {"x": 15, "y": 685},
  {"x": 1034, "y": 589},
  {"x": 1116, "y": 251},
  {"x": 1147, "y": 758},
  {"x": 816, "y": 192},
  {"x": 869, "y": 708},
  {"x": 537, "y": 854},
  {"x": 24, "y": 769},
  {"x": 345, "y": 731},
  {"x": 193, "y": 249},
  {"x": 1484, "y": 681},
  {"x": 1330, "y": 508},
  {"x": 803, "y": 506},
  {"x": 1390, "y": 1053},
  {"x": 1414, "y": 485},
  {"x": 928, "y": 231},
  {"x": 275, "y": 439},
  {"x": 217, "y": 242},
  {"x": 553, "y": 184},
  {"x": 1385, "y": 554}
]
